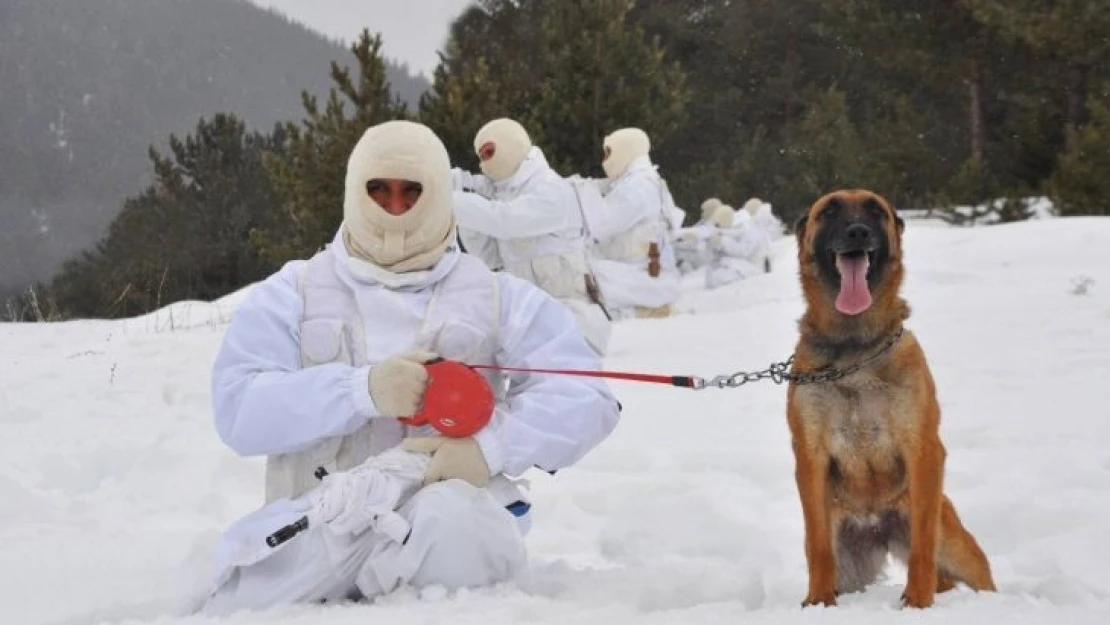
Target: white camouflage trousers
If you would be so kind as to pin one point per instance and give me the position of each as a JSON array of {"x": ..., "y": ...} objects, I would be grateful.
[{"x": 460, "y": 537}]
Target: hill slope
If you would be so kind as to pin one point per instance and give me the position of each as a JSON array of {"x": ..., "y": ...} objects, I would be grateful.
[{"x": 88, "y": 85}]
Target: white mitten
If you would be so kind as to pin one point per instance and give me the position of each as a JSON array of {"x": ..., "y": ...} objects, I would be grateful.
[
  {"x": 397, "y": 383},
  {"x": 452, "y": 458},
  {"x": 458, "y": 179},
  {"x": 462, "y": 180},
  {"x": 481, "y": 185},
  {"x": 364, "y": 498}
]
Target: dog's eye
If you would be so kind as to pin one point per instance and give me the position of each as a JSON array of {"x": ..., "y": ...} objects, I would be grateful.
[
  {"x": 874, "y": 208},
  {"x": 832, "y": 209}
]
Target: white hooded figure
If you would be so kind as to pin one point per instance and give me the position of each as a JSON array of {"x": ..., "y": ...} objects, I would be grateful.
[
  {"x": 678, "y": 218},
  {"x": 764, "y": 218},
  {"x": 708, "y": 209},
  {"x": 738, "y": 249},
  {"x": 692, "y": 242},
  {"x": 324, "y": 357},
  {"x": 633, "y": 232},
  {"x": 690, "y": 251},
  {"x": 523, "y": 217}
]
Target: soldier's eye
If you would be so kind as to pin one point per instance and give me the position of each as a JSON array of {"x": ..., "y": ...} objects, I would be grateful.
[
  {"x": 375, "y": 187},
  {"x": 412, "y": 192}
]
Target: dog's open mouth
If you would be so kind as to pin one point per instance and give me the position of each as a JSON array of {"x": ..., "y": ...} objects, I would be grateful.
[{"x": 855, "y": 295}]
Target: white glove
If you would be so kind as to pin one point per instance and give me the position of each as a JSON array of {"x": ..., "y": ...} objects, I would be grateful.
[
  {"x": 367, "y": 496},
  {"x": 462, "y": 180},
  {"x": 603, "y": 185},
  {"x": 452, "y": 458},
  {"x": 481, "y": 185},
  {"x": 459, "y": 179},
  {"x": 397, "y": 383}
]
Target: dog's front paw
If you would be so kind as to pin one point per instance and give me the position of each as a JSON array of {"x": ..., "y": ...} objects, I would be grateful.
[
  {"x": 827, "y": 599},
  {"x": 915, "y": 598}
]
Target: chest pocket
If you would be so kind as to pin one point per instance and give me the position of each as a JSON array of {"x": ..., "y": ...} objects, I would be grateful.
[
  {"x": 325, "y": 341},
  {"x": 457, "y": 339}
]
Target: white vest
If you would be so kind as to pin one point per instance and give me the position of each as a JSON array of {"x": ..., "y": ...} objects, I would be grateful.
[
  {"x": 563, "y": 276},
  {"x": 555, "y": 262},
  {"x": 562, "y": 273},
  {"x": 632, "y": 246},
  {"x": 461, "y": 323}
]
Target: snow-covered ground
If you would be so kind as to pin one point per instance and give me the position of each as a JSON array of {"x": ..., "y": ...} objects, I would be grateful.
[{"x": 111, "y": 474}]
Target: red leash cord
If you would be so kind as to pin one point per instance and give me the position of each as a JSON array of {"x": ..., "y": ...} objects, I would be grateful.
[{"x": 682, "y": 381}]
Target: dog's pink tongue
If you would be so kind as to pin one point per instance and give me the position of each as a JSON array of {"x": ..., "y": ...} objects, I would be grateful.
[{"x": 854, "y": 296}]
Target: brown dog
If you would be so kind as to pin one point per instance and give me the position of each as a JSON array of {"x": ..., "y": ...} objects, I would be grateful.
[{"x": 868, "y": 457}]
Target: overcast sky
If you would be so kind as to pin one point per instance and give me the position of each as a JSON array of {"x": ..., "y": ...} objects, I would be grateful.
[{"x": 412, "y": 30}]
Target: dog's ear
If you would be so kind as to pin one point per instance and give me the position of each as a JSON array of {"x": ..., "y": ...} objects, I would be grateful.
[
  {"x": 800, "y": 226},
  {"x": 898, "y": 221}
]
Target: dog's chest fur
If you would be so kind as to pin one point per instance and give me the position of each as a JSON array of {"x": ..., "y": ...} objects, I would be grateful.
[{"x": 858, "y": 421}]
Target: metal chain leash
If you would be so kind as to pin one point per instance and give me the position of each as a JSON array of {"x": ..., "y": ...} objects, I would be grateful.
[{"x": 779, "y": 372}]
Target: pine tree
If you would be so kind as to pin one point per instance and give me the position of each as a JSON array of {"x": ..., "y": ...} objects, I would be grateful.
[
  {"x": 752, "y": 67},
  {"x": 1080, "y": 185},
  {"x": 939, "y": 42},
  {"x": 825, "y": 153},
  {"x": 459, "y": 103},
  {"x": 717, "y": 131},
  {"x": 485, "y": 71},
  {"x": 901, "y": 163},
  {"x": 1076, "y": 32},
  {"x": 570, "y": 72},
  {"x": 185, "y": 236},
  {"x": 308, "y": 179},
  {"x": 600, "y": 73}
]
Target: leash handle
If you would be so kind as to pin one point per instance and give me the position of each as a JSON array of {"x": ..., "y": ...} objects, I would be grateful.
[{"x": 681, "y": 381}]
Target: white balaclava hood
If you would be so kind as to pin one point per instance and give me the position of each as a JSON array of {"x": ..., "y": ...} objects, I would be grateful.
[
  {"x": 724, "y": 216},
  {"x": 623, "y": 147},
  {"x": 708, "y": 207},
  {"x": 753, "y": 206},
  {"x": 511, "y": 144},
  {"x": 417, "y": 239}
]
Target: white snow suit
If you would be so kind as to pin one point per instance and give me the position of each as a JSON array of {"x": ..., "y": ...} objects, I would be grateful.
[
  {"x": 529, "y": 225},
  {"x": 737, "y": 252},
  {"x": 636, "y": 212},
  {"x": 290, "y": 383}
]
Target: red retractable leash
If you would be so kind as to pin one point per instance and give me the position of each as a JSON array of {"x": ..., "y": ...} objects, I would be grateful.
[
  {"x": 683, "y": 381},
  {"x": 458, "y": 400}
]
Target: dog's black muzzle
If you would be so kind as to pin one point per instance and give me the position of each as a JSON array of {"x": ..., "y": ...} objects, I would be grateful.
[{"x": 856, "y": 239}]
